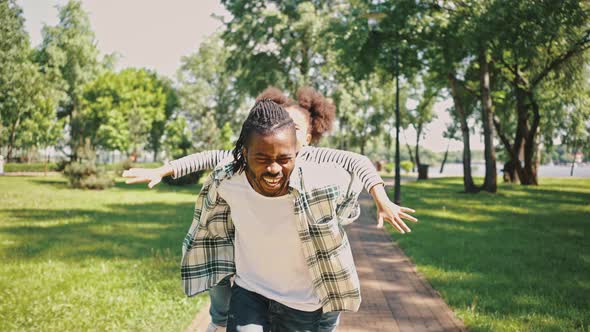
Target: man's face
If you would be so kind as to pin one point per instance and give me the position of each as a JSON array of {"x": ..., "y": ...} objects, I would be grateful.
[{"x": 270, "y": 160}]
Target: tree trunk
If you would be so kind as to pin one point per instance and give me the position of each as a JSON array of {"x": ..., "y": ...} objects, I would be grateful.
[
  {"x": 12, "y": 137},
  {"x": 468, "y": 184},
  {"x": 363, "y": 143},
  {"x": 489, "y": 183},
  {"x": 510, "y": 174},
  {"x": 417, "y": 154},
  {"x": 442, "y": 165},
  {"x": 410, "y": 153},
  {"x": 521, "y": 134},
  {"x": 573, "y": 162},
  {"x": 530, "y": 144}
]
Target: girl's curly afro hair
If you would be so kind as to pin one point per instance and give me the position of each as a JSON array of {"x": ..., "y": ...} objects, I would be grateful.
[{"x": 319, "y": 110}]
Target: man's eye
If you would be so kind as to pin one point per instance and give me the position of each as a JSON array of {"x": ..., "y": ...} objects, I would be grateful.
[{"x": 284, "y": 160}]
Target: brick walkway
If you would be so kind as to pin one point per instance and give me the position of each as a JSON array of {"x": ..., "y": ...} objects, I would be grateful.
[{"x": 395, "y": 296}]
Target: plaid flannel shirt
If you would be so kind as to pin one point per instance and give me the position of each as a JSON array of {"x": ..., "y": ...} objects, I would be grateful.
[{"x": 321, "y": 209}]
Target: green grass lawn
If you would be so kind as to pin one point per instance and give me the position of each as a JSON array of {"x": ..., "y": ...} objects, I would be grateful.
[
  {"x": 108, "y": 260},
  {"x": 518, "y": 260},
  {"x": 75, "y": 260}
]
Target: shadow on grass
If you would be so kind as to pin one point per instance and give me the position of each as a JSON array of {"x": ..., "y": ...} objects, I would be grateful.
[
  {"x": 120, "y": 184},
  {"x": 122, "y": 231},
  {"x": 519, "y": 255}
]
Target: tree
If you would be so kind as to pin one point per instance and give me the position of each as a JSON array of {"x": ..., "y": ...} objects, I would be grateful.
[
  {"x": 360, "y": 110},
  {"x": 178, "y": 138},
  {"x": 208, "y": 95},
  {"x": 68, "y": 57},
  {"x": 450, "y": 134},
  {"x": 549, "y": 47},
  {"x": 574, "y": 123},
  {"x": 158, "y": 126},
  {"x": 278, "y": 43},
  {"x": 27, "y": 103},
  {"x": 118, "y": 110},
  {"x": 422, "y": 114}
]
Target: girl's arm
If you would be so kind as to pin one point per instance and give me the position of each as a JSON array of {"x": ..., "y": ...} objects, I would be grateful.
[
  {"x": 354, "y": 163},
  {"x": 197, "y": 162},
  {"x": 177, "y": 168},
  {"x": 362, "y": 167}
]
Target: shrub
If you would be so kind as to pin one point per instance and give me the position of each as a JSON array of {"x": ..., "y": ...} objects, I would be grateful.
[
  {"x": 406, "y": 165},
  {"x": 33, "y": 167},
  {"x": 388, "y": 167},
  {"x": 61, "y": 165},
  {"x": 188, "y": 179},
  {"x": 127, "y": 164},
  {"x": 84, "y": 174}
]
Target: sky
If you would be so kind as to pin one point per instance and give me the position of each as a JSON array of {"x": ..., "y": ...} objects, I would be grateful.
[{"x": 156, "y": 34}]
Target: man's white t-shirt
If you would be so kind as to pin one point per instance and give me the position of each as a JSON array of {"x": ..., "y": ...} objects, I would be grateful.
[{"x": 268, "y": 254}]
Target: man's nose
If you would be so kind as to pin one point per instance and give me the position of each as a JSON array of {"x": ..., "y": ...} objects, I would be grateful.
[{"x": 273, "y": 168}]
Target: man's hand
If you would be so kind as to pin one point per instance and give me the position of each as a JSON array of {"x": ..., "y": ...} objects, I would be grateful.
[
  {"x": 151, "y": 175},
  {"x": 387, "y": 210}
]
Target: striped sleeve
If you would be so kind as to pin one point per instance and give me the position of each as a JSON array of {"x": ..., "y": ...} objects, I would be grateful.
[
  {"x": 355, "y": 163},
  {"x": 198, "y": 162}
]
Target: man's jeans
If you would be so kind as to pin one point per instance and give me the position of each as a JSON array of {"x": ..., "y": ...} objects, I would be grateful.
[
  {"x": 252, "y": 312},
  {"x": 220, "y": 297}
]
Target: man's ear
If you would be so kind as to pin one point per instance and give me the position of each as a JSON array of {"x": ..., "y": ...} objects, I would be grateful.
[
  {"x": 307, "y": 139},
  {"x": 245, "y": 154}
]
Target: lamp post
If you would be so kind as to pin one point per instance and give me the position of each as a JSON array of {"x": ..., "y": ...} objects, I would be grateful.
[
  {"x": 397, "y": 185},
  {"x": 373, "y": 20}
]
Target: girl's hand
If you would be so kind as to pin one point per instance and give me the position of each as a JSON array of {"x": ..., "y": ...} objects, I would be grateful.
[
  {"x": 151, "y": 175},
  {"x": 393, "y": 213}
]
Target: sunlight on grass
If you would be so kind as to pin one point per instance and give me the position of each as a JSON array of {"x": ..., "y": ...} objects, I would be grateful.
[
  {"x": 92, "y": 260},
  {"x": 512, "y": 261}
]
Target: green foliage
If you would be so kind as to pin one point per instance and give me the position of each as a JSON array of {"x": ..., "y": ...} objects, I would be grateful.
[
  {"x": 119, "y": 110},
  {"x": 226, "y": 137},
  {"x": 69, "y": 55},
  {"x": 158, "y": 127},
  {"x": 119, "y": 167},
  {"x": 406, "y": 165},
  {"x": 211, "y": 104},
  {"x": 32, "y": 167},
  {"x": 284, "y": 44},
  {"x": 389, "y": 167},
  {"x": 27, "y": 102},
  {"x": 363, "y": 109},
  {"x": 85, "y": 174},
  {"x": 189, "y": 179},
  {"x": 178, "y": 140}
]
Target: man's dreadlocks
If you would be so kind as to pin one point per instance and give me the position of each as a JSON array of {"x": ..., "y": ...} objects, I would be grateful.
[{"x": 264, "y": 118}]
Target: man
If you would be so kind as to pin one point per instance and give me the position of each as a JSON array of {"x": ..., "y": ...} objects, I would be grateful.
[{"x": 292, "y": 260}]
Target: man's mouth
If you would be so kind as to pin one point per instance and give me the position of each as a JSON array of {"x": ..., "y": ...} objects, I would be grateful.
[{"x": 271, "y": 181}]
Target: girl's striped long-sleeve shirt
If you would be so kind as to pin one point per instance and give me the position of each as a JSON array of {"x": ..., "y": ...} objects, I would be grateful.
[{"x": 355, "y": 163}]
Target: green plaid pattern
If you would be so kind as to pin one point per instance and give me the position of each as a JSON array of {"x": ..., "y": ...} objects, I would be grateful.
[{"x": 321, "y": 210}]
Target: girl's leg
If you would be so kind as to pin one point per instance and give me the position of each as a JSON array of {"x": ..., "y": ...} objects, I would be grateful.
[
  {"x": 329, "y": 321},
  {"x": 220, "y": 296}
]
